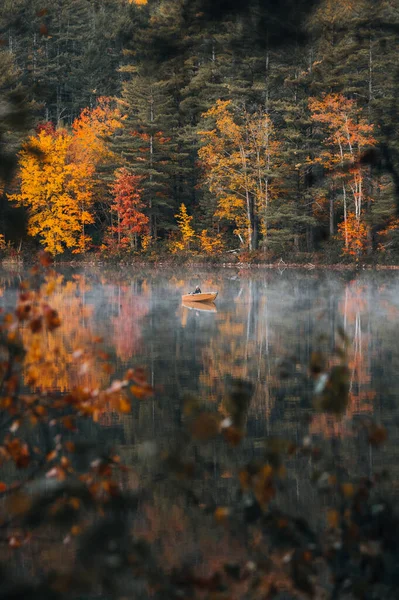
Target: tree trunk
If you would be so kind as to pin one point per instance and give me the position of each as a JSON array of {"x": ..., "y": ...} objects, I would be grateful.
[
  {"x": 345, "y": 218},
  {"x": 254, "y": 223}
]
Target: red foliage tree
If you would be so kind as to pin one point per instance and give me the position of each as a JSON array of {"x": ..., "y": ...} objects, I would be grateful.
[{"x": 131, "y": 222}]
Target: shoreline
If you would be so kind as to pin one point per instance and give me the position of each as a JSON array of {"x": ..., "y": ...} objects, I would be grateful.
[{"x": 279, "y": 265}]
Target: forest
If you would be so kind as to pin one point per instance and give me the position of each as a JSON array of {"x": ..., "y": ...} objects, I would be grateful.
[
  {"x": 150, "y": 448},
  {"x": 168, "y": 127}
]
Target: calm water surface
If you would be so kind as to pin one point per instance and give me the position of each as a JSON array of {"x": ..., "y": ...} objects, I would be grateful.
[{"x": 263, "y": 327}]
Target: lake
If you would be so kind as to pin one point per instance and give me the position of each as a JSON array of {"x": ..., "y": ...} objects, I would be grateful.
[{"x": 263, "y": 328}]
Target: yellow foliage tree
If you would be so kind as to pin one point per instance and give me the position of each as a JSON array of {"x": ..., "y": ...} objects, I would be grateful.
[
  {"x": 210, "y": 243},
  {"x": 239, "y": 157},
  {"x": 58, "y": 178},
  {"x": 186, "y": 232},
  {"x": 54, "y": 190}
]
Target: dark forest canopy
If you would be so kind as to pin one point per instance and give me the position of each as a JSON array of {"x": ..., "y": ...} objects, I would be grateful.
[{"x": 166, "y": 64}]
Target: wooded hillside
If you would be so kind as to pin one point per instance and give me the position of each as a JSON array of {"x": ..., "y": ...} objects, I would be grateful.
[{"x": 274, "y": 129}]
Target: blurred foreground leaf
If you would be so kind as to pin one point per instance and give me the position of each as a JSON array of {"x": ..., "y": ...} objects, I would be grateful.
[{"x": 333, "y": 394}]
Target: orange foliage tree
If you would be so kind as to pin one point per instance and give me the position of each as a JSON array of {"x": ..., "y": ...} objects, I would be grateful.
[
  {"x": 90, "y": 130},
  {"x": 89, "y": 150},
  {"x": 348, "y": 136},
  {"x": 57, "y": 178},
  {"x": 239, "y": 158}
]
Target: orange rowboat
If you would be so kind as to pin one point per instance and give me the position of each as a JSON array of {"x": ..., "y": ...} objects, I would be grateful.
[{"x": 203, "y": 297}]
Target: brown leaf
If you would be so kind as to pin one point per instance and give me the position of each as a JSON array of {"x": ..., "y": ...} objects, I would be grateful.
[
  {"x": 36, "y": 325},
  {"x": 377, "y": 435},
  {"x": 69, "y": 423},
  {"x": 232, "y": 435},
  {"x": 222, "y": 513},
  {"x": 317, "y": 363},
  {"x": 348, "y": 490},
  {"x": 124, "y": 405},
  {"x": 141, "y": 391},
  {"x": 333, "y": 518},
  {"x": 205, "y": 426},
  {"x": 23, "y": 311},
  {"x": 52, "y": 319},
  {"x": 51, "y": 455},
  {"x": 335, "y": 396},
  {"x": 14, "y": 542},
  {"x": 76, "y": 530}
]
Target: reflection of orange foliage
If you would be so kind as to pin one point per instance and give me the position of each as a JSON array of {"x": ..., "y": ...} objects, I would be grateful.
[
  {"x": 237, "y": 352},
  {"x": 354, "y": 308},
  {"x": 62, "y": 360},
  {"x": 127, "y": 324}
]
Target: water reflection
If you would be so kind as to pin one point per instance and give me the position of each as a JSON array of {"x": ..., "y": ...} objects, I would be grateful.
[
  {"x": 264, "y": 319},
  {"x": 192, "y": 347},
  {"x": 264, "y": 329},
  {"x": 258, "y": 321},
  {"x": 200, "y": 306}
]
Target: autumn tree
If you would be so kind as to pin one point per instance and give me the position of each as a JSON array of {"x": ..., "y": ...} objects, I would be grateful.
[
  {"x": 58, "y": 178},
  {"x": 239, "y": 160},
  {"x": 349, "y": 135},
  {"x": 91, "y": 129},
  {"x": 92, "y": 155},
  {"x": 54, "y": 191},
  {"x": 186, "y": 233},
  {"x": 131, "y": 222},
  {"x": 210, "y": 242}
]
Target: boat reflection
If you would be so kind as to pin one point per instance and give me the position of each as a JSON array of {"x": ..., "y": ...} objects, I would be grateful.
[{"x": 200, "y": 306}]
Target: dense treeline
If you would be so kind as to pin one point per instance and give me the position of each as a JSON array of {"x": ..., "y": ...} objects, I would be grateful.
[{"x": 168, "y": 126}]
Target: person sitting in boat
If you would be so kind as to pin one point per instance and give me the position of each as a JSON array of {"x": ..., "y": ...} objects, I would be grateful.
[{"x": 197, "y": 290}]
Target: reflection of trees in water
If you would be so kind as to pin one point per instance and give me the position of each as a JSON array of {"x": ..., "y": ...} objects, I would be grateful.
[
  {"x": 132, "y": 304},
  {"x": 260, "y": 321},
  {"x": 265, "y": 330},
  {"x": 52, "y": 359}
]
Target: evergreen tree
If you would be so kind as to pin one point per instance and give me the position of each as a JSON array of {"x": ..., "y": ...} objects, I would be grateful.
[{"x": 146, "y": 145}]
